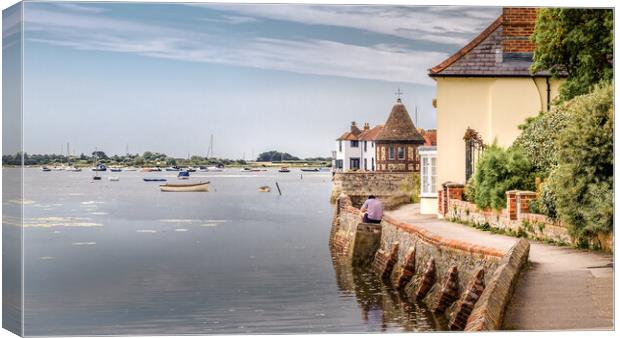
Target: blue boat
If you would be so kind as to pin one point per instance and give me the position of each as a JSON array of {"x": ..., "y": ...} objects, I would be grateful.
[
  {"x": 154, "y": 179},
  {"x": 183, "y": 175},
  {"x": 100, "y": 167}
]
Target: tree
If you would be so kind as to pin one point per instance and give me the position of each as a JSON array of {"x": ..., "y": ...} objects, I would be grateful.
[
  {"x": 538, "y": 138},
  {"x": 582, "y": 182},
  {"x": 273, "y": 156},
  {"x": 499, "y": 170},
  {"x": 100, "y": 155},
  {"x": 576, "y": 42}
]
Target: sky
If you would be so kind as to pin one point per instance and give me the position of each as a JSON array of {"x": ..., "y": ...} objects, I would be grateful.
[{"x": 165, "y": 77}]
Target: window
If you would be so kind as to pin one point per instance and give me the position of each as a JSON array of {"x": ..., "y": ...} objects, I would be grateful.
[
  {"x": 355, "y": 163},
  {"x": 365, "y": 146},
  {"x": 373, "y": 163},
  {"x": 338, "y": 164},
  {"x": 365, "y": 164},
  {"x": 401, "y": 153},
  {"x": 340, "y": 145},
  {"x": 391, "y": 153},
  {"x": 474, "y": 147},
  {"x": 429, "y": 175},
  {"x": 355, "y": 144}
]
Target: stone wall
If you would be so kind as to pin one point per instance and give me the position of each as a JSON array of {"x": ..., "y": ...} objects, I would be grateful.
[
  {"x": 449, "y": 276},
  {"x": 533, "y": 226},
  {"x": 385, "y": 186}
]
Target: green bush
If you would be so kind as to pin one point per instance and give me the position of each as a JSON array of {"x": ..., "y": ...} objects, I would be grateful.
[
  {"x": 583, "y": 179},
  {"x": 538, "y": 138},
  {"x": 546, "y": 201},
  {"x": 498, "y": 171}
]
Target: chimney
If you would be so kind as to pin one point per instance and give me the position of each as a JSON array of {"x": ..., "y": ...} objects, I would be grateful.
[
  {"x": 354, "y": 129},
  {"x": 366, "y": 126},
  {"x": 517, "y": 26}
]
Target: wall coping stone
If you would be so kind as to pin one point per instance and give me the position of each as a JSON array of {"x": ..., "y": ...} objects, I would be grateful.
[
  {"x": 488, "y": 314},
  {"x": 439, "y": 241}
]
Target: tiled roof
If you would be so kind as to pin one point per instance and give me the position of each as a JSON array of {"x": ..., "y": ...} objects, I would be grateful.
[
  {"x": 348, "y": 136},
  {"x": 399, "y": 126},
  {"x": 483, "y": 56},
  {"x": 430, "y": 137},
  {"x": 371, "y": 135}
]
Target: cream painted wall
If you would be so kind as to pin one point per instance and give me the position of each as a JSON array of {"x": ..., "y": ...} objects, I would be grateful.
[{"x": 494, "y": 107}]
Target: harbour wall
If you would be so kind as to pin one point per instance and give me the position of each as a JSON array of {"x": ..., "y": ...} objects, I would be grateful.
[
  {"x": 392, "y": 188},
  {"x": 468, "y": 284}
]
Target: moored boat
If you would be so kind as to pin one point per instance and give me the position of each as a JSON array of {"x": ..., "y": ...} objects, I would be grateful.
[
  {"x": 173, "y": 168},
  {"x": 130, "y": 169},
  {"x": 115, "y": 169},
  {"x": 99, "y": 167},
  {"x": 284, "y": 170},
  {"x": 113, "y": 178},
  {"x": 73, "y": 169},
  {"x": 310, "y": 169},
  {"x": 183, "y": 175},
  {"x": 214, "y": 169},
  {"x": 45, "y": 169},
  {"x": 154, "y": 179},
  {"x": 193, "y": 187},
  {"x": 264, "y": 188}
]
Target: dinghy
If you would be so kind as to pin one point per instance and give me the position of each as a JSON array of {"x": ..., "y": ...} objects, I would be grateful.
[{"x": 198, "y": 187}]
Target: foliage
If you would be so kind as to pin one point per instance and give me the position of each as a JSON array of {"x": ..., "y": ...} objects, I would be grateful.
[
  {"x": 498, "y": 171},
  {"x": 274, "y": 156},
  {"x": 538, "y": 138},
  {"x": 577, "y": 42},
  {"x": 583, "y": 179},
  {"x": 546, "y": 202}
]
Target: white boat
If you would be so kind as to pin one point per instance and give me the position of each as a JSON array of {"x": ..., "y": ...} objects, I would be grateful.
[
  {"x": 193, "y": 187},
  {"x": 130, "y": 169},
  {"x": 113, "y": 178},
  {"x": 73, "y": 169},
  {"x": 214, "y": 169}
]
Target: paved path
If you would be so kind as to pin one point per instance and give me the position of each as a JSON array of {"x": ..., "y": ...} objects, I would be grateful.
[{"x": 562, "y": 288}]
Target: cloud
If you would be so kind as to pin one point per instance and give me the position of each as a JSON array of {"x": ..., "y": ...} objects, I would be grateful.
[
  {"x": 387, "y": 62},
  {"x": 84, "y": 8},
  {"x": 232, "y": 19},
  {"x": 442, "y": 24}
]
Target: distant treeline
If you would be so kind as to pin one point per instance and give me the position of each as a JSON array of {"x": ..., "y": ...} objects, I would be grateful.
[{"x": 147, "y": 159}]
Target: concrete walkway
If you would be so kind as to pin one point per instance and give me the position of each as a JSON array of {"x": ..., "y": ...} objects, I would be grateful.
[{"x": 561, "y": 289}]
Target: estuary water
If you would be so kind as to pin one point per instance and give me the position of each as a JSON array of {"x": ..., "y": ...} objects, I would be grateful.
[{"x": 123, "y": 258}]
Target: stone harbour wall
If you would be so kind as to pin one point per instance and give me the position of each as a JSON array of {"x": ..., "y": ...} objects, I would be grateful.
[
  {"x": 461, "y": 281},
  {"x": 392, "y": 188}
]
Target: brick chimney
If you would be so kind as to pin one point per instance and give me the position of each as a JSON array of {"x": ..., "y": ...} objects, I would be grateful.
[
  {"x": 366, "y": 126},
  {"x": 354, "y": 129},
  {"x": 518, "y": 24}
]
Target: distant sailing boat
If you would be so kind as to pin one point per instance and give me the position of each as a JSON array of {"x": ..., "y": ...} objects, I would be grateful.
[{"x": 96, "y": 177}]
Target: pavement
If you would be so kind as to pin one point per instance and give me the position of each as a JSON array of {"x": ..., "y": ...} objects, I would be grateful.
[{"x": 562, "y": 288}]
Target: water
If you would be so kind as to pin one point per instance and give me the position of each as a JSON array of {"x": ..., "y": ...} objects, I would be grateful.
[{"x": 105, "y": 258}]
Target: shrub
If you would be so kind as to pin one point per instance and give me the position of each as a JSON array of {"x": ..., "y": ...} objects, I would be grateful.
[
  {"x": 546, "y": 201},
  {"x": 538, "y": 138},
  {"x": 583, "y": 179},
  {"x": 498, "y": 171}
]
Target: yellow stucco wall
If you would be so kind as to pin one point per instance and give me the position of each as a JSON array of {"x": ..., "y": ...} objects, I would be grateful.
[
  {"x": 428, "y": 205},
  {"x": 494, "y": 107}
]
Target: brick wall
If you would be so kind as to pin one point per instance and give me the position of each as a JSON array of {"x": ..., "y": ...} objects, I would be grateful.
[{"x": 518, "y": 24}]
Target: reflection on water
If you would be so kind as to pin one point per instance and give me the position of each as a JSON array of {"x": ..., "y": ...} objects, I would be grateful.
[
  {"x": 380, "y": 305},
  {"x": 123, "y": 258}
]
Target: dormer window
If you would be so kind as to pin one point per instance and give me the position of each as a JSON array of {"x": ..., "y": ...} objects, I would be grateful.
[{"x": 355, "y": 144}]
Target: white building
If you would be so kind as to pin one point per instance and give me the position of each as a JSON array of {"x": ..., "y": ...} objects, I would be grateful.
[
  {"x": 355, "y": 149},
  {"x": 428, "y": 180}
]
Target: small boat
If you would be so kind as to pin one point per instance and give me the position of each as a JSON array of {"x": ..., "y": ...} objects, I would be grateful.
[
  {"x": 173, "y": 168},
  {"x": 246, "y": 169},
  {"x": 154, "y": 179},
  {"x": 284, "y": 170},
  {"x": 130, "y": 169},
  {"x": 183, "y": 175},
  {"x": 325, "y": 170},
  {"x": 115, "y": 169},
  {"x": 197, "y": 187},
  {"x": 45, "y": 169},
  {"x": 264, "y": 188},
  {"x": 99, "y": 167},
  {"x": 97, "y": 178},
  {"x": 73, "y": 169},
  {"x": 190, "y": 169},
  {"x": 310, "y": 169},
  {"x": 113, "y": 178},
  {"x": 214, "y": 168}
]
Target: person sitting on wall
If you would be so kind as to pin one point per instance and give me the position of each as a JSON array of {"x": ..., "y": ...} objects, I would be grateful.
[{"x": 373, "y": 210}]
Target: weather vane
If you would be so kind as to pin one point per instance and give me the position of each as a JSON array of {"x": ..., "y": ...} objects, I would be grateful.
[{"x": 399, "y": 93}]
